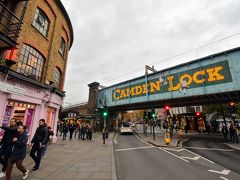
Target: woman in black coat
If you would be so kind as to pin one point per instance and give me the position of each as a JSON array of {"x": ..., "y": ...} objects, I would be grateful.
[{"x": 19, "y": 153}]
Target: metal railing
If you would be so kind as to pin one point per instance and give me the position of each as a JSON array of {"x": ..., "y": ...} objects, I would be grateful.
[{"x": 10, "y": 24}]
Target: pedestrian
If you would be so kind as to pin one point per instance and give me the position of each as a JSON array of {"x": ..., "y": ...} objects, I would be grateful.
[
  {"x": 50, "y": 133},
  {"x": 19, "y": 153},
  {"x": 39, "y": 142},
  {"x": 71, "y": 128},
  {"x": 83, "y": 131},
  {"x": 225, "y": 131},
  {"x": 65, "y": 131},
  {"x": 90, "y": 129},
  {"x": 79, "y": 130},
  {"x": 7, "y": 145},
  {"x": 231, "y": 132},
  {"x": 58, "y": 127}
]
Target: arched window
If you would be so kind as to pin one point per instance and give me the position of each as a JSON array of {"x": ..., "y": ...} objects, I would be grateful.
[
  {"x": 57, "y": 77},
  {"x": 62, "y": 47},
  {"x": 30, "y": 62},
  {"x": 41, "y": 22}
]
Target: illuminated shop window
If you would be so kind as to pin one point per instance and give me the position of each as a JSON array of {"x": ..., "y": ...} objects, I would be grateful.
[
  {"x": 41, "y": 22},
  {"x": 30, "y": 63}
]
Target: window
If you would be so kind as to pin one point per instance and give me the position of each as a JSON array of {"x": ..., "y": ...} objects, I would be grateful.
[
  {"x": 62, "y": 47},
  {"x": 41, "y": 22},
  {"x": 57, "y": 77},
  {"x": 30, "y": 62}
]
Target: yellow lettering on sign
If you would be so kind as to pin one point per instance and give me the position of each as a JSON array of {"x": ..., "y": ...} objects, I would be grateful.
[
  {"x": 214, "y": 75},
  {"x": 171, "y": 85},
  {"x": 116, "y": 94},
  {"x": 123, "y": 94},
  {"x": 130, "y": 92},
  {"x": 138, "y": 90},
  {"x": 196, "y": 75},
  {"x": 144, "y": 89},
  {"x": 154, "y": 86},
  {"x": 187, "y": 78}
]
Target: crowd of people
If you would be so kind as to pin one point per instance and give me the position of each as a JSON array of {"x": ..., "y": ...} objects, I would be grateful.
[
  {"x": 79, "y": 130},
  {"x": 13, "y": 147}
]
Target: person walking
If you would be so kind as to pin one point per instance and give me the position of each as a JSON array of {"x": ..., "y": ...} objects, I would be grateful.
[
  {"x": 90, "y": 130},
  {"x": 7, "y": 145},
  {"x": 71, "y": 128},
  {"x": 39, "y": 142},
  {"x": 18, "y": 153},
  {"x": 65, "y": 131},
  {"x": 83, "y": 131},
  {"x": 50, "y": 133}
]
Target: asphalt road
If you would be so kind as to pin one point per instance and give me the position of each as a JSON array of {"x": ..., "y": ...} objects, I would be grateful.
[
  {"x": 136, "y": 160},
  {"x": 214, "y": 148}
]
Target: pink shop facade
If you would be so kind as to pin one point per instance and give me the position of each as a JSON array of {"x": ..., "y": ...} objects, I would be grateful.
[{"x": 36, "y": 101}]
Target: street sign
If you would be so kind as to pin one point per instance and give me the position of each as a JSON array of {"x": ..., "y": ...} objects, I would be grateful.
[{"x": 8, "y": 88}]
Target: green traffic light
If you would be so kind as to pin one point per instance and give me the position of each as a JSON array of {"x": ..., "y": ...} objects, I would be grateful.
[{"x": 105, "y": 114}]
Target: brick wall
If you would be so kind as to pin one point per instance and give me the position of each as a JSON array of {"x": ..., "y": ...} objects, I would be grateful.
[{"x": 47, "y": 46}]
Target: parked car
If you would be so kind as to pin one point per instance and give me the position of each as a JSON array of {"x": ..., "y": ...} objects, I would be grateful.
[{"x": 126, "y": 128}]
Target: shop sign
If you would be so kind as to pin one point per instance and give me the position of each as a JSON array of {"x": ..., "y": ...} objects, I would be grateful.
[
  {"x": 4, "y": 87},
  {"x": 213, "y": 74}
]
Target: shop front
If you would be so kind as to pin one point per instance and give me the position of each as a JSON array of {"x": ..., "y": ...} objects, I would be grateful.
[{"x": 33, "y": 104}]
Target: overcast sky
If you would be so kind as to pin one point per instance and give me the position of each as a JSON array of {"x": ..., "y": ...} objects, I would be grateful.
[{"x": 115, "y": 39}]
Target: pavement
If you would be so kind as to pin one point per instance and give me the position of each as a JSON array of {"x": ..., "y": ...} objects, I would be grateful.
[
  {"x": 176, "y": 140},
  {"x": 159, "y": 137},
  {"x": 75, "y": 159}
]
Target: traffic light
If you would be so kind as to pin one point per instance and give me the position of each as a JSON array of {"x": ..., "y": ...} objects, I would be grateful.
[
  {"x": 198, "y": 114},
  {"x": 232, "y": 108},
  {"x": 153, "y": 115},
  {"x": 167, "y": 108},
  {"x": 105, "y": 112},
  {"x": 145, "y": 115}
]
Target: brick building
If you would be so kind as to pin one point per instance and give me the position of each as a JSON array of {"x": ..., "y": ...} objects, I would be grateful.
[{"x": 35, "y": 37}]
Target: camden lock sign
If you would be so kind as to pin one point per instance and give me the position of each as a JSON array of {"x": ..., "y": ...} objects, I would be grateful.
[{"x": 213, "y": 74}]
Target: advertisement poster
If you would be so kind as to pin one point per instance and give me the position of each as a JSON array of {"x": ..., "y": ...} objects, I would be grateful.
[
  {"x": 29, "y": 119},
  {"x": 6, "y": 118}
]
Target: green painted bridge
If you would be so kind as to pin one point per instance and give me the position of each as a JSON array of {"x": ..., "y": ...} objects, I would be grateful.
[{"x": 208, "y": 80}]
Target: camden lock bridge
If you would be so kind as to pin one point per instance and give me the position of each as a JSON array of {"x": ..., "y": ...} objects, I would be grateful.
[{"x": 208, "y": 80}]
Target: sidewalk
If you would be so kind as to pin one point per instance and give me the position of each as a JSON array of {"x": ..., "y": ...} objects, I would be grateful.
[
  {"x": 159, "y": 137},
  {"x": 76, "y": 159}
]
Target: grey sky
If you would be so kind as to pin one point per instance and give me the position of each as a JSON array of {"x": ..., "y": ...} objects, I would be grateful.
[{"x": 115, "y": 39}]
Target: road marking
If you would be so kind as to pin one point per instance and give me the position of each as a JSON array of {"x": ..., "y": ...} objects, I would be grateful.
[
  {"x": 232, "y": 146},
  {"x": 115, "y": 139},
  {"x": 190, "y": 158},
  {"x": 128, "y": 149},
  {"x": 173, "y": 154},
  {"x": 176, "y": 150},
  {"x": 200, "y": 156},
  {"x": 210, "y": 149},
  {"x": 223, "y": 172},
  {"x": 142, "y": 140},
  {"x": 223, "y": 178}
]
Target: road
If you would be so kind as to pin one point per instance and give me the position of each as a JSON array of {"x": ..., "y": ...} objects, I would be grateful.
[
  {"x": 214, "y": 147},
  {"x": 136, "y": 160}
]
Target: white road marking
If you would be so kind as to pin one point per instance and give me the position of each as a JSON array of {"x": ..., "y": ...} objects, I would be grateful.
[
  {"x": 161, "y": 149},
  {"x": 210, "y": 149},
  {"x": 190, "y": 158},
  {"x": 223, "y": 178},
  {"x": 200, "y": 156},
  {"x": 115, "y": 139},
  {"x": 128, "y": 149},
  {"x": 223, "y": 172},
  {"x": 173, "y": 154},
  {"x": 176, "y": 150}
]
